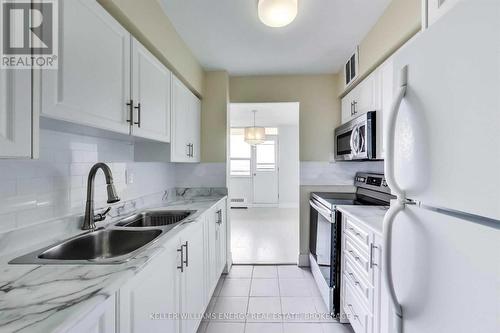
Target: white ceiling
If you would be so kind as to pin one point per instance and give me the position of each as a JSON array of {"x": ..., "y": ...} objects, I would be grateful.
[
  {"x": 227, "y": 34},
  {"x": 268, "y": 114}
]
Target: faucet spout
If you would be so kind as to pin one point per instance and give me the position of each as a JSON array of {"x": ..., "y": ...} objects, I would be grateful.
[{"x": 90, "y": 218}]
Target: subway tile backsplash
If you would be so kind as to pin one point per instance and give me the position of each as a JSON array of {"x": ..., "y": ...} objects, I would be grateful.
[{"x": 32, "y": 191}]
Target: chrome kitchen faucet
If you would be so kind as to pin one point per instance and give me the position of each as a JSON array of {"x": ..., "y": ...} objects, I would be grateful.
[{"x": 90, "y": 219}]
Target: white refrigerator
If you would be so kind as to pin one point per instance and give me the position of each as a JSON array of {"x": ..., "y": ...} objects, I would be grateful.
[{"x": 442, "y": 249}]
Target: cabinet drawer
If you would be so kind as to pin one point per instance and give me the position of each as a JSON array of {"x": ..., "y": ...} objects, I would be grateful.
[
  {"x": 365, "y": 289},
  {"x": 358, "y": 233},
  {"x": 359, "y": 258},
  {"x": 358, "y": 315}
]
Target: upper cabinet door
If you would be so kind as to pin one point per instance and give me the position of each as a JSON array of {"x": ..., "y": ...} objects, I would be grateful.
[
  {"x": 15, "y": 114},
  {"x": 180, "y": 149},
  {"x": 151, "y": 95},
  {"x": 92, "y": 85},
  {"x": 195, "y": 128},
  {"x": 436, "y": 9}
]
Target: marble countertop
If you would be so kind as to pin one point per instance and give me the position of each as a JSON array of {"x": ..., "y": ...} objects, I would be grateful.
[
  {"x": 50, "y": 298},
  {"x": 372, "y": 216}
]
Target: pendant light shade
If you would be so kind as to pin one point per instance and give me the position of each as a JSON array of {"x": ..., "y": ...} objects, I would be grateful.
[
  {"x": 277, "y": 13},
  {"x": 255, "y": 135}
]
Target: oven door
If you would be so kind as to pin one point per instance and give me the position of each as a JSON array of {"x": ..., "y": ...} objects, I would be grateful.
[{"x": 322, "y": 235}]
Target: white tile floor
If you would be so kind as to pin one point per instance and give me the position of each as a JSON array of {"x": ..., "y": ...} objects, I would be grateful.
[
  {"x": 265, "y": 235},
  {"x": 269, "y": 299}
]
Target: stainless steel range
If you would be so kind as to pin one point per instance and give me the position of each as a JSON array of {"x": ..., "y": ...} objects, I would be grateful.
[{"x": 326, "y": 232}]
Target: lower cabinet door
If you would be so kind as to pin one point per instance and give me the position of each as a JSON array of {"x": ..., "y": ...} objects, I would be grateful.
[
  {"x": 150, "y": 301},
  {"x": 221, "y": 238},
  {"x": 100, "y": 320},
  {"x": 212, "y": 248},
  {"x": 193, "y": 279}
]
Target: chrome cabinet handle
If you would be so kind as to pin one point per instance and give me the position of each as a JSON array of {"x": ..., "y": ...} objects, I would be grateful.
[
  {"x": 186, "y": 245},
  {"x": 192, "y": 150},
  {"x": 352, "y": 309},
  {"x": 138, "y": 108},
  {"x": 372, "y": 255},
  {"x": 188, "y": 154},
  {"x": 181, "y": 267},
  {"x": 355, "y": 103},
  {"x": 219, "y": 216},
  {"x": 130, "y": 105}
]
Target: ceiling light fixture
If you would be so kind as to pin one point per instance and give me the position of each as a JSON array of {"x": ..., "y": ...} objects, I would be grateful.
[
  {"x": 255, "y": 135},
  {"x": 277, "y": 13}
]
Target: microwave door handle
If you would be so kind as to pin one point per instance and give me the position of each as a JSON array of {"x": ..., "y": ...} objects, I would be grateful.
[
  {"x": 352, "y": 143},
  {"x": 396, "y": 206}
]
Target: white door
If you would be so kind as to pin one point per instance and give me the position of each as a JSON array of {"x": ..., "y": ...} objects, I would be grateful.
[
  {"x": 155, "y": 290},
  {"x": 193, "y": 278},
  {"x": 15, "y": 113},
  {"x": 265, "y": 171},
  {"x": 151, "y": 91},
  {"x": 179, "y": 147},
  {"x": 92, "y": 84}
]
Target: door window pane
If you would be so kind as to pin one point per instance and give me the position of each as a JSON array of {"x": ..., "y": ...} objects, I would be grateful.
[
  {"x": 239, "y": 148},
  {"x": 240, "y": 167},
  {"x": 266, "y": 156}
]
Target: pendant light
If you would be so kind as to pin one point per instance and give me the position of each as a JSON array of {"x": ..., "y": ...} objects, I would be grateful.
[
  {"x": 255, "y": 135},
  {"x": 277, "y": 13}
]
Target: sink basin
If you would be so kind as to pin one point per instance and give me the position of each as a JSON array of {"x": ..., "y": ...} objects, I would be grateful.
[
  {"x": 102, "y": 246},
  {"x": 162, "y": 218}
]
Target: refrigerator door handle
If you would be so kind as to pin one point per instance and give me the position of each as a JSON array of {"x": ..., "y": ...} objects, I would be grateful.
[
  {"x": 390, "y": 136},
  {"x": 398, "y": 205}
]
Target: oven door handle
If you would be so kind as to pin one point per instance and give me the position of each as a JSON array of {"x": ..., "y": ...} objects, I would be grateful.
[{"x": 324, "y": 212}]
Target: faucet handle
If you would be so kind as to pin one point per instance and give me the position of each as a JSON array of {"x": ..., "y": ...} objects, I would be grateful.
[{"x": 101, "y": 216}]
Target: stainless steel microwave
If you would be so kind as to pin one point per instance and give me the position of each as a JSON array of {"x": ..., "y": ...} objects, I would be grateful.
[{"x": 356, "y": 139}]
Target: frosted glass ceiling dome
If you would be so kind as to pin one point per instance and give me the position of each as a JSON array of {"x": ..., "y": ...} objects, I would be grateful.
[{"x": 277, "y": 13}]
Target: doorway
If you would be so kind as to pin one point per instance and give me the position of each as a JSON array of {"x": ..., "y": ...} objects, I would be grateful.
[{"x": 264, "y": 184}]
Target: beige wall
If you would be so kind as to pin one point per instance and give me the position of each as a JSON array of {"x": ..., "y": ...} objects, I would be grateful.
[
  {"x": 146, "y": 21},
  {"x": 399, "y": 22},
  {"x": 214, "y": 117},
  {"x": 319, "y": 106}
]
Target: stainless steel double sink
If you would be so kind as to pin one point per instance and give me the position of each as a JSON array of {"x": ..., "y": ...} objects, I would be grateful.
[{"x": 112, "y": 245}]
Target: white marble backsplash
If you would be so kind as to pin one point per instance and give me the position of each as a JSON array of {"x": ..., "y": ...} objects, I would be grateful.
[
  {"x": 200, "y": 175},
  {"x": 335, "y": 173}
]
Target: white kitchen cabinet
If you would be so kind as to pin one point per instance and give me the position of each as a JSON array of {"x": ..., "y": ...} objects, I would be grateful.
[
  {"x": 18, "y": 121},
  {"x": 151, "y": 102},
  {"x": 212, "y": 268},
  {"x": 92, "y": 84},
  {"x": 151, "y": 296},
  {"x": 435, "y": 9},
  {"x": 100, "y": 320},
  {"x": 220, "y": 251},
  {"x": 193, "y": 299},
  {"x": 362, "y": 292},
  {"x": 186, "y": 118},
  {"x": 362, "y": 98}
]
